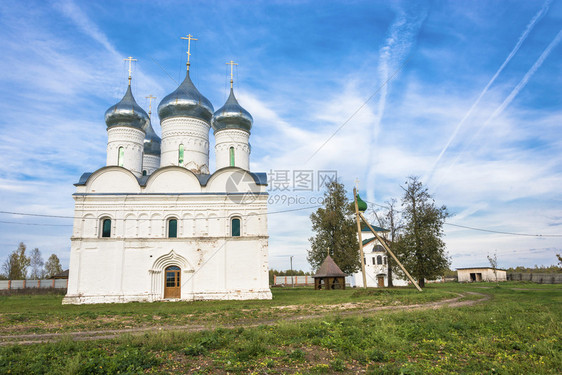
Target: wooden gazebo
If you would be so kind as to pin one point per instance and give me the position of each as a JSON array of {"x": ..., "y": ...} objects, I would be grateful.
[{"x": 329, "y": 276}]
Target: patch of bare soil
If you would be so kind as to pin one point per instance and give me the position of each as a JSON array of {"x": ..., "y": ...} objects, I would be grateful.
[{"x": 352, "y": 309}]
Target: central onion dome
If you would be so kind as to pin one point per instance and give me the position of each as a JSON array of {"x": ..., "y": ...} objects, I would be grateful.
[
  {"x": 127, "y": 113},
  {"x": 186, "y": 101},
  {"x": 232, "y": 116},
  {"x": 151, "y": 141}
]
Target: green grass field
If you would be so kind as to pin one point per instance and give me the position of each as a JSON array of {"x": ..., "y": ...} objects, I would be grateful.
[{"x": 516, "y": 331}]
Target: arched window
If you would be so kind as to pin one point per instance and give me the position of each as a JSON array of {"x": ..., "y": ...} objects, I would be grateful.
[
  {"x": 106, "y": 228},
  {"x": 379, "y": 259},
  {"x": 384, "y": 260},
  {"x": 180, "y": 156},
  {"x": 231, "y": 152},
  {"x": 121, "y": 156},
  {"x": 144, "y": 172},
  {"x": 172, "y": 228},
  {"x": 235, "y": 227}
]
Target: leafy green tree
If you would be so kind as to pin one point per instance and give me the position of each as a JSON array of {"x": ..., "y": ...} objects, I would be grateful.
[
  {"x": 52, "y": 267},
  {"x": 15, "y": 267},
  {"x": 420, "y": 247},
  {"x": 37, "y": 263},
  {"x": 335, "y": 231}
]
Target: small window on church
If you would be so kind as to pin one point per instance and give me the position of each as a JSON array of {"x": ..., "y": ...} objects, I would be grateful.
[
  {"x": 121, "y": 156},
  {"x": 235, "y": 223},
  {"x": 106, "y": 228},
  {"x": 374, "y": 261},
  {"x": 172, "y": 228},
  {"x": 379, "y": 259},
  {"x": 144, "y": 172},
  {"x": 180, "y": 156},
  {"x": 384, "y": 260},
  {"x": 232, "y": 156}
]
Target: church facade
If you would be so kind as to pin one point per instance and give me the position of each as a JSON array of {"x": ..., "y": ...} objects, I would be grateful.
[
  {"x": 376, "y": 263},
  {"x": 155, "y": 224}
]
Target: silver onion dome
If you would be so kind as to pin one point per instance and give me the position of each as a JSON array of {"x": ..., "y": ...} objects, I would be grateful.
[
  {"x": 151, "y": 141},
  {"x": 186, "y": 101},
  {"x": 232, "y": 116},
  {"x": 127, "y": 113}
]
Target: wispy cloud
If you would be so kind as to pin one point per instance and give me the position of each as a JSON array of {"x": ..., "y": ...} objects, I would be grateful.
[
  {"x": 83, "y": 22},
  {"x": 400, "y": 38},
  {"x": 516, "y": 90},
  {"x": 526, "y": 32}
]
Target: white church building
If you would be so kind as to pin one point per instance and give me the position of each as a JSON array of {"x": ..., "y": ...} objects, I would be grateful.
[
  {"x": 376, "y": 262},
  {"x": 155, "y": 223}
]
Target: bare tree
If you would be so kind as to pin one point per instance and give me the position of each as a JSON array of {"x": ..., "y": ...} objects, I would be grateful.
[
  {"x": 494, "y": 263},
  {"x": 37, "y": 263},
  {"x": 393, "y": 222}
]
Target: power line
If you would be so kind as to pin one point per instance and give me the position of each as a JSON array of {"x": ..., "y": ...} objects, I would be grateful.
[
  {"x": 483, "y": 229},
  {"x": 147, "y": 219},
  {"x": 501, "y": 232},
  {"x": 359, "y": 109},
  {"x": 36, "y": 224}
]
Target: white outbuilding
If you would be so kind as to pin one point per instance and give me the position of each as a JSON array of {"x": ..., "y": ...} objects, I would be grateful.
[
  {"x": 475, "y": 274},
  {"x": 155, "y": 224}
]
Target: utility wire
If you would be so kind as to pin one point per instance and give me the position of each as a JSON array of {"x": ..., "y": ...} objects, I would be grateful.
[
  {"x": 36, "y": 224},
  {"x": 148, "y": 219},
  {"x": 484, "y": 230},
  {"x": 360, "y": 108},
  {"x": 501, "y": 232}
]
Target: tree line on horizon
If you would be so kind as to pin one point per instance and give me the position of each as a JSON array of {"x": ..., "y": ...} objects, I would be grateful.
[{"x": 20, "y": 266}]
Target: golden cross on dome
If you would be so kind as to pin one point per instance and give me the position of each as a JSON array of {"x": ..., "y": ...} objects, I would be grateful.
[
  {"x": 189, "y": 38},
  {"x": 231, "y": 63},
  {"x": 130, "y": 60},
  {"x": 150, "y": 97}
]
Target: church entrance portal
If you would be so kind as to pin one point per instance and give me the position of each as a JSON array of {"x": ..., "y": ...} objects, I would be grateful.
[
  {"x": 172, "y": 288},
  {"x": 380, "y": 280}
]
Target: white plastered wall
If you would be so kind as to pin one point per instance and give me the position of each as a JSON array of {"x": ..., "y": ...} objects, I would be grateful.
[
  {"x": 131, "y": 139},
  {"x": 129, "y": 266},
  {"x": 193, "y": 134},
  {"x": 239, "y": 141},
  {"x": 150, "y": 163}
]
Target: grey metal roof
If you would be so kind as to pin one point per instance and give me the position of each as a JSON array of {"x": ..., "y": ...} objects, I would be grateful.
[
  {"x": 259, "y": 178},
  {"x": 232, "y": 116},
  {"x": 151, "y": 141},
  {"x": 127, "y": 113},
  {"x": 186, "y": 101}
]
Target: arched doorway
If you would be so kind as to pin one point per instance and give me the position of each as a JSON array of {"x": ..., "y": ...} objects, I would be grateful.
[{"x": 172, "y": 288}]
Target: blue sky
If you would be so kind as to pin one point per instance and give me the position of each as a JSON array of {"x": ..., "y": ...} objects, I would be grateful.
[{"x": 472, "y": 107}]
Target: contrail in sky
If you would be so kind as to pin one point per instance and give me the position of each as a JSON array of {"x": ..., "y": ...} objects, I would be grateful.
[
  {"x": 515, "y": 49},
  {"x": 514, "y": 92},
  {"x": 400, "y": 38}
]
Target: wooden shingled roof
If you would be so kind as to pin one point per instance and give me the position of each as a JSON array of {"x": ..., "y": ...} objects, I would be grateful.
[{"x": 329, "y": 268}]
